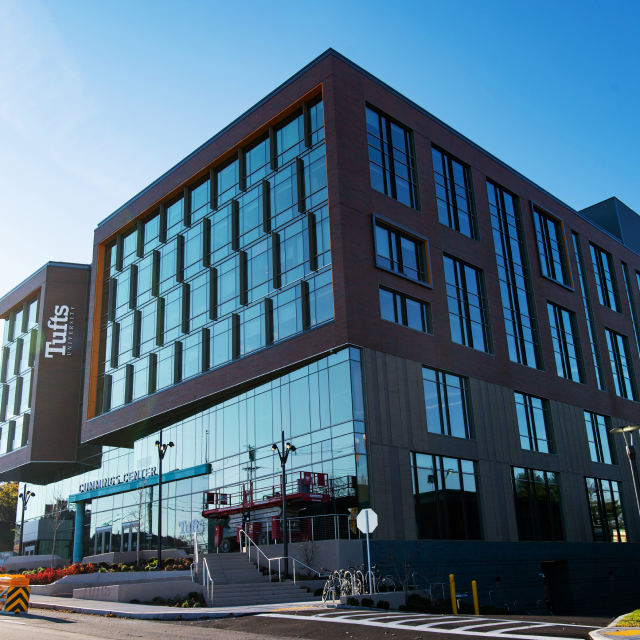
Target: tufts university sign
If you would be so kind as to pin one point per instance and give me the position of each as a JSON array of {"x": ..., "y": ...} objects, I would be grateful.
[{"x": 62, "y": 324}]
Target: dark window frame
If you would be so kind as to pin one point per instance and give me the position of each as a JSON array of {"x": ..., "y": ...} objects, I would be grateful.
[
  {"x": 427, "y": 317},
  {"x": 442, "y": 503},
  {"x": 577, "y": 343},
  {"x": 597, "y": 254},
  {"x": 444, "y": 406},
  {"x": 465, "y": 302},
  {"x": 533, "y": 510},
  {"x": 391, "y": 191},
  {"x": 616, "y": 364},
  {"x": 618, "y": 515},
  {"x": 597, "y": 439},
  {"x": 473, "y": 214},
  {"x": 538, "y": 212},
  {"x": 515, "y": 271},
  {"x": 548, "y": 424},
  {"x": 423, "y": 246}
]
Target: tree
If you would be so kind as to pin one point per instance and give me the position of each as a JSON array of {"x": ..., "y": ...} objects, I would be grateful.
[
  {"x": 56, "y": 514},
  {"x": 137, "y": 515},
  {"x": 8, "y": 508}
]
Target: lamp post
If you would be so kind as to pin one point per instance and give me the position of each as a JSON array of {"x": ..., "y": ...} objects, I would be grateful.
[
  {"x": 284, "y": 456},
  {"x": 162, "y": 450},
  {"x": 631, "y": 454},
  {"x": 24, "y": 496}
]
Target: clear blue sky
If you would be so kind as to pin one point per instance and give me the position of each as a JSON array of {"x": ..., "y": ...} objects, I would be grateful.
[{"x": 97, "y": 99}]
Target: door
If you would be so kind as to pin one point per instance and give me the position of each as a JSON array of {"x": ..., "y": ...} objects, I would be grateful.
[
  {"x": 130, "y": 535},
  {"x": 30, "y": 551},
  {"x": 557, "y": 582},
  {"x": 103, "y": 540}
]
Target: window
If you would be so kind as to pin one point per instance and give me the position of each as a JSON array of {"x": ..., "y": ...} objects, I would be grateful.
[
  {"x": 551, "y": 247},
  {"x": 445, "y": 494},
  {"x": 566, "y": 344},
  {"x": 454, "y": 194},
  {"x": 401, "y": 309},
  {"x": 391, "y": 159},
  {"x": 600, "y": 445},
  {"x": 632, "y": 304},
  {"x": 534, "y": 423},
  {"x": 605, "y": 278},
  {"x": 401, "y": 253},
  {"x": 467, "y": 307},
  {"x": 515, "y": 284},
  {"x": 605, "y": 505},
  {"x": 446, "y": 397},
  {"x": 537, "y": 497},
  {"x": 591, "y": 325},
  {"x": 621, "y": 365}
]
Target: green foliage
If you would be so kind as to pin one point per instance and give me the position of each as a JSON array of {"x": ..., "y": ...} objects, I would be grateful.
[
  {"x": 353, "y": 602},
  {"x": 318, "y": 592},
  {"x": 8, "y": 501},
  {"x": 367, "y": 602},
  {"x": 383, "y": 604},
  {"x": 630, "y": 620}
]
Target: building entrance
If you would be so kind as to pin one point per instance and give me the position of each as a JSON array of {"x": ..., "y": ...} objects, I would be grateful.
[
  {"x": 130, "y": 535},
  {"x": 103, "y": 541}
]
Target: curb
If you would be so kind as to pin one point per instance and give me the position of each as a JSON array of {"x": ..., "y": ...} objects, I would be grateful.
[
  {"x": 188, "y": 614},
  {"x": 610, "y": 629}
]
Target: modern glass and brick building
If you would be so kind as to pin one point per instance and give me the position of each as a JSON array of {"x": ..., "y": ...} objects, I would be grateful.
[{"x": 440, "y": 339}]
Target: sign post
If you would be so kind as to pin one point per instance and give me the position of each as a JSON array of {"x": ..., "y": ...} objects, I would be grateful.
[{"x": 367, "y": 522}]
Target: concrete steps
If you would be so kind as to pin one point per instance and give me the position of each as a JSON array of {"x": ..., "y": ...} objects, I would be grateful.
[{"x": 237, "y": 582}]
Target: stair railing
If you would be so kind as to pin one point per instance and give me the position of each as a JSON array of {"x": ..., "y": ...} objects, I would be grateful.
[
  {"x": 269, "y": 560},
  {"x": 498, "y": 598},
  {"x": 207, "y": 581}
]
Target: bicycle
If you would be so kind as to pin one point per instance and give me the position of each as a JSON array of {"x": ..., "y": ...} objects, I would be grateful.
[{"x": 333, "y": 583}]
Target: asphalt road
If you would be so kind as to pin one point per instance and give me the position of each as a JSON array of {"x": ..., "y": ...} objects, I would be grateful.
[{"x": 304, "y": 625}]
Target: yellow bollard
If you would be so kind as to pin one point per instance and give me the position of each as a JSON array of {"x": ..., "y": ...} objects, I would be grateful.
[
  {"x": 474, "y": 591},
  {"x": 452, "y": 587}
]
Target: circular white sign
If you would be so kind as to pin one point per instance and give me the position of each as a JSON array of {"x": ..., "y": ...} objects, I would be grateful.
[{"x": 361, "y": 520}]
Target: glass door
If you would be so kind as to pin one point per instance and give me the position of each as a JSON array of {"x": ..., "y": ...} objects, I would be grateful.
[
  {"x": 103, "y": 540},
  {"x": 129, "y": 540}
]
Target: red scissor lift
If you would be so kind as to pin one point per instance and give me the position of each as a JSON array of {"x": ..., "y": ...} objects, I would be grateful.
[{"x": 306, "y": 488}]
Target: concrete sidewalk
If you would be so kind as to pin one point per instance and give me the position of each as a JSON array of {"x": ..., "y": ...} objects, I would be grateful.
[{"x": 150, "y": 612}]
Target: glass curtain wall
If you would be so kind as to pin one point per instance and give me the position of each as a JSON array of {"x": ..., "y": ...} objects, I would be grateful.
[
  {"x": 16, "y": 370},
  {"x": 320, "y": 408},
  {"x": 220, "y": 272}
]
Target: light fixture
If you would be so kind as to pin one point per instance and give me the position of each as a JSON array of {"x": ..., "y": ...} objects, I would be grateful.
[{"x": 626, "y": 429}]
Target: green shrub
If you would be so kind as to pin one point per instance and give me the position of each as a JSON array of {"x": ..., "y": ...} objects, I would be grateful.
[
  {"x": 318, "y": 592},
  {"x": 158, "y": 600},
  {"x": 383, "y": 604},
  {"x": 367, "y": 602},
  {"x": 134, "y": 601},
  {"x": 193, "y": 595},
  {"x": 353, "y": 602}
]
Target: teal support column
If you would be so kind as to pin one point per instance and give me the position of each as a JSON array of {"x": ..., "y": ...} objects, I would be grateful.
[{"x": 78, "y": 532}]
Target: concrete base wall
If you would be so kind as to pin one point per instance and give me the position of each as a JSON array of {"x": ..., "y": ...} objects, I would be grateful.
[
  {"x": 132, "y": 556},
  {"x": 142, "y": 592},
  {"x": 86, "y": 581},
  {"x": 15, "y": 563},
  {"x": 580, "y": 578},
  {"x": 394, "y": 599},
  {"x": 332, "y": 554}
]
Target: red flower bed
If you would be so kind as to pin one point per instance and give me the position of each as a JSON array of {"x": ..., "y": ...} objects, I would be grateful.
[{"x": 52, "y": 575}]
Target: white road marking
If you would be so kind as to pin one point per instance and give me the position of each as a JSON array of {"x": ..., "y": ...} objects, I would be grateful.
[
  {"x": 11, "y": 621},
  {"x": 463, "y": 631}
]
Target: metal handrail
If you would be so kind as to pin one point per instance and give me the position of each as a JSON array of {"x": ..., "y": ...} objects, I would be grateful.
[
  {"x": 417, "y": 586},
  {"x": 247, "y": 538},
  {"x": 207, "y": 581},
  {"x": 499, "y": 598},
  {"x": 517, "y": 603},
  {"x": 395, "y": 581}
]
